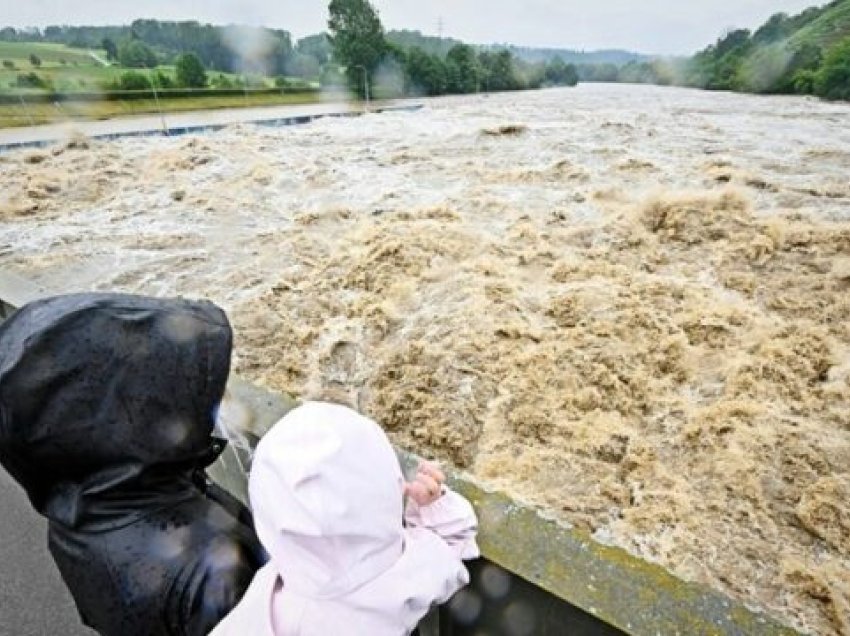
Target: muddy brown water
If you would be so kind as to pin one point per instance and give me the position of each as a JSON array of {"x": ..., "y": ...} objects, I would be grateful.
[{"x": 625, "y": 305}]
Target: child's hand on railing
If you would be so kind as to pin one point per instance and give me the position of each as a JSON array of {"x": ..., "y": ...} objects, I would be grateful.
[{"x": 427, "y": 486}]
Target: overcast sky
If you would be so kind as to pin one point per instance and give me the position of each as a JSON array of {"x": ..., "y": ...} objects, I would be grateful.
[{"x": 646, "y": 26}]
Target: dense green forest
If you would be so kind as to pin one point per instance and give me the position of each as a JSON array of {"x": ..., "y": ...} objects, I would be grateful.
[
  {"x": 405, "y": 62},
  {"x": 808, "y": 53},
  {"x": 407, "y": 39}
]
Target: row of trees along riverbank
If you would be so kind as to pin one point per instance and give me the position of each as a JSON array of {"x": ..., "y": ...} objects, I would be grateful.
[
  {"x": 205, "y": 56},
  {"x": 361, "y": 48},
  {"x": 806, "y": 54}
]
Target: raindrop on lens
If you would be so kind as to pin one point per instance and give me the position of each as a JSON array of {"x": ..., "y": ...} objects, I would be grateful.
[
  {"x": 222, "y": 557},
  {"x": 495, "y": 582},
  {"x": 170, "y": 544},
  {"x": 176, "y": 431},
  {"x": 181, "y": 328},
  {"x": 465, "y": 607},
  {"x": 519, "y": 619}
]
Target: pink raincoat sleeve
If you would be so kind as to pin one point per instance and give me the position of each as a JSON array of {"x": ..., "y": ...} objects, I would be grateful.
[{"x": 450, "y": 517}]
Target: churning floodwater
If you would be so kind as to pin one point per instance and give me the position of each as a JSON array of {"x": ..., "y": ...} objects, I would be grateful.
[{"x": 626, "y": 305}]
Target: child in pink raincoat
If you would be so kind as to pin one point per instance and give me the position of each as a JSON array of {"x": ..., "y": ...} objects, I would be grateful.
[{"x": 326, "y": 491}]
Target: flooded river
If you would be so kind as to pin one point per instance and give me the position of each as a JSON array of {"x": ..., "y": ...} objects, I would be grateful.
[{"x": 626, "y": 305}]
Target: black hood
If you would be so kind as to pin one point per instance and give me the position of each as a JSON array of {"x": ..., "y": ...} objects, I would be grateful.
[{"x": 108, "y": 398}]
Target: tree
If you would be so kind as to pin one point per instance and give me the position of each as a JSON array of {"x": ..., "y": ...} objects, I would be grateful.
[
  {"x": 462, "y": 69},
  {"x": 558, "y": 73},
  {"x": 9, "y": 64},
  {"x": 136, "y": 54},
  {"x": 132, "y": 81},
  {"x": 31, "y": 80},
  {"x": 734, "y": 41},
  {"x": 804, "y": 82},
  {"x": 162, "y": 80},
  {"x": 301, "y": 65},
  {"x": 111, "y": 49},
  {"x": 425, "y": 73},
  {"x": 357, "y": 38},
  {"x": 798, "y": 69},
  {"x": 832, "y": 81},
  {"x": 281, "y": 53},
  {"x": 35, "y": 60},
  {"x": 316, "y": 46},
  {"x": 777, "y": 28},
  {"x": 53, "y": 34},
  {"x": 331, "y": 76},
  {"x": 718, "y": 67},
  {"x": 222, "y": 81},
  {"x": 190, "y": 71},
  {"x": 497, "y": 69}
]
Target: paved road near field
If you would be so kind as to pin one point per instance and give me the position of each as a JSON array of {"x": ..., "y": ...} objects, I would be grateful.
[{"x": 225, "y": 116}]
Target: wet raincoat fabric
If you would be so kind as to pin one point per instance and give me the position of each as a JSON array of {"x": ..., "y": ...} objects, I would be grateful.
[
  {"x": 107, "y": 407},
  {"x": 326, "y": 491}
]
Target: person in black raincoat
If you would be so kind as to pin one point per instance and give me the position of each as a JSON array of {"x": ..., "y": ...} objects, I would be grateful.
[{"x": 107, "y": 408}]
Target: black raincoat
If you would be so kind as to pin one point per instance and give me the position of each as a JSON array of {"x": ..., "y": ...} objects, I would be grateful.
[{"x": 107, "y": 406}]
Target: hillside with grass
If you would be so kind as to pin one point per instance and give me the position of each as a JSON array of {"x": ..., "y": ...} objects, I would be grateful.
[
  {"x": 77, "y": 73},
  {"x": 38, "y": 67},
  {"x": 34, "y": 66},
  {"x": 827, "y": 27},
  {"x": 808, "y": 53}
]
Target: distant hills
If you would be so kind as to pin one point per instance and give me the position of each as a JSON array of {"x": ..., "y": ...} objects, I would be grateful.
[
  {"x": 441, "y": 46},
  {"x": 618, "y": 57}
]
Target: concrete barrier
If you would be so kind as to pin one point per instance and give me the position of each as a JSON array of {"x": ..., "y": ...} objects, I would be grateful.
[{"x": 176, "y": 131}]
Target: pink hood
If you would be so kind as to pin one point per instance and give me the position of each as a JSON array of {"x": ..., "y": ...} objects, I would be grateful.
[{"x": 326, "y": 491}]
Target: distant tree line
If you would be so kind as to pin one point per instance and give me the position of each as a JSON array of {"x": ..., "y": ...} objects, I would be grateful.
[
  {"x": 653, "y": 71},
  {"x": 772, "y": 60},
  {"x": 464, "y": 69},
  {"x": 808, "y": 53},
  {"x": 801, "y": 54},
  {"x": 409, "y": 63},
  {"x": 402, "y": 62},
  {"x": 147, "y": 43}
]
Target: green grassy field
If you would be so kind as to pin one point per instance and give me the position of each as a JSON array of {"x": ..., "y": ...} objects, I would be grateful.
[
  {"x": 91, "y": 78},
  {"x": 12, "y": 115},
  {"x": 66, "y": 68},
  {"x": 50, "y": 54},
  {"x": 67, "y": 78},
  {"x": 71, "y": 70}
]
